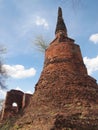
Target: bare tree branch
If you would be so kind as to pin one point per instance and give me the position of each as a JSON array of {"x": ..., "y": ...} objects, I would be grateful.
[
  {"x": 3, "y": 74},
  {"x": 40, "y": 44},
  {"x": 2, "y": 49}
]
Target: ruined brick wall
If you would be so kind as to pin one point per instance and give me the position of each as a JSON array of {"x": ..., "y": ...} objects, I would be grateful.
[{"x": 16, "y": 97}]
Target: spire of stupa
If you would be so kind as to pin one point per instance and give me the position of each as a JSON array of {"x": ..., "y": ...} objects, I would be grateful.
[{"x": 60, "y": 27}]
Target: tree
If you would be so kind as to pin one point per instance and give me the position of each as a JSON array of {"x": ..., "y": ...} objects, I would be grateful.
[
  {"x": 40, "y": 44},
  {"x": 1, "y": 104},
  {"x": 3, "y": 74}
]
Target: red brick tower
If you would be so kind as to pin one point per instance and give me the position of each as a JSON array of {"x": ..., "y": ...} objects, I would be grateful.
[{"x": 64, "y": 76}]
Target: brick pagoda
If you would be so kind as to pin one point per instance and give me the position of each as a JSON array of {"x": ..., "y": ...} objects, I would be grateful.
[{"x": 65, "y": 97}]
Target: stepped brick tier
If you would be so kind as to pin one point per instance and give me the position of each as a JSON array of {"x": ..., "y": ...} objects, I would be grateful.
[{"x": 65, "y": 97}]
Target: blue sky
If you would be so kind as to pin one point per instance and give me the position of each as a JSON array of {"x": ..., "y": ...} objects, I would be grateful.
[{"x": 21, "y": 21}]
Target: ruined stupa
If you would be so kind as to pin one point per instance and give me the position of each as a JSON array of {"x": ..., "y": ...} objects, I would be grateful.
[{"x": 65, "y": 97}]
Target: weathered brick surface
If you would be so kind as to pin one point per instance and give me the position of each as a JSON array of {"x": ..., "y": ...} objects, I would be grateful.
[
  {"x": 65, "y": 97},
  {"x": 67, "y": 54}
]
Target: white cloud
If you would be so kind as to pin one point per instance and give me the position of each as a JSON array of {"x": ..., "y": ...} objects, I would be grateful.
[
  {"x": 94, "y": 38},
  {"x": 19, "y": 71},
  {"x": 18, "y": 88},
  {"x": 41, "y": 22},
  {"x": 29, "y": 92},
  {"x": 91, "y": 64}
]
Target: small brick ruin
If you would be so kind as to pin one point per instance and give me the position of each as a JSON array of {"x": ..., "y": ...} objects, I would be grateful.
[{"x": 15, "y": 102}]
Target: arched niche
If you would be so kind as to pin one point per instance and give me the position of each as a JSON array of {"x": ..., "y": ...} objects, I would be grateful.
[
  {"x": 14, "y": 104},
  {"x": 15, "y": 107}
]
